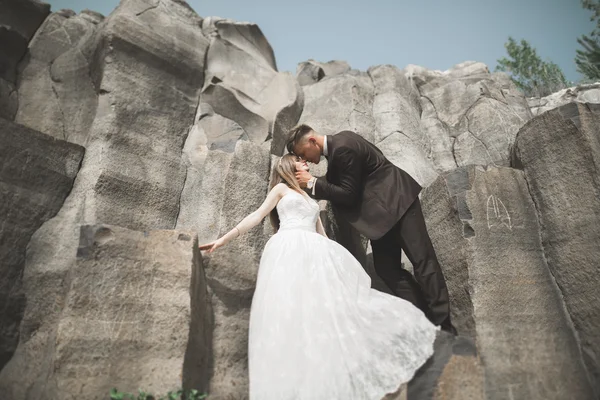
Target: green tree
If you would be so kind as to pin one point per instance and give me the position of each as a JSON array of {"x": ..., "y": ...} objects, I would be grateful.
[
  {"x": 529, "y": 72},
  {"x": 588, "y": 58}
]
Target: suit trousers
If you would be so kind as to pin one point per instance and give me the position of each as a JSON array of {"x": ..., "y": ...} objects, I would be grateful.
[{"x": 427, "y": 289}]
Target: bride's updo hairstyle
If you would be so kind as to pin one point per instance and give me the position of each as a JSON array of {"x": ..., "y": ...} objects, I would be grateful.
[{"x": 284, "y": 172}]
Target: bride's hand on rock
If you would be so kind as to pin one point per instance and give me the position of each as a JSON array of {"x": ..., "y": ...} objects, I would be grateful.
[{"x": 212, "y": 246}]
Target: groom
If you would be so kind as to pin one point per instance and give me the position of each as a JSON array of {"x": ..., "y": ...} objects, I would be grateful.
[{"x": 380, "y": 201}]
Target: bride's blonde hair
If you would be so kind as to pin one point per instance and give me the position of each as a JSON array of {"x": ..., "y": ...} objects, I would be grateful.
[{"x": 284, "y": 172}]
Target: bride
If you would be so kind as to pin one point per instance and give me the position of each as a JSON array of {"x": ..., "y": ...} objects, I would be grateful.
[{"x": 317, "y": 329}]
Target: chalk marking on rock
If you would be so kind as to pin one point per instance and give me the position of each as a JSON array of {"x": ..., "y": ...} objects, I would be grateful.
[{"x": 497, "y": 214}]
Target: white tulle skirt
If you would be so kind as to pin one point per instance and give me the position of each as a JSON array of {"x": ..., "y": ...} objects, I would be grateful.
[{"x": 319, "y": 332}]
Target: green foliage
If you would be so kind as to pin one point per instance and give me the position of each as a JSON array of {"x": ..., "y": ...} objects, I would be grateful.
[
  {"x": 532, "y": 75},
  {"x": 180, "y": 394},
  {"x": 588, "y": 58}
]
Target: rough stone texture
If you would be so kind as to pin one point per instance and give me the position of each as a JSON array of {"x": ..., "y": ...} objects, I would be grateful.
[
  {"x": 233, "y": 185},
  {"x": 132, "y": 175},
  {"x": 559, "y": 152},
  {"x": 486, "y": 222},
  {"x": 584, "y": 94},
  {"x": 36, "y": 175},
  {"x": 398, "y": 133},
  {"x": 166, "y": 147},
  {"x": 311, "y": 71},
  {"x": 242, "y": 82},
  {"x": 469, "y": 116},
  {"x": 56, "y": 93},
  {"x": 227, "y": 178},
  {"x": 19, "y": 19},
  {"x": 339, "y": 103},
  {"x": 449, "y": 226},
  {"x": 127, "y": 318},
  {"x": 426, "y": 122},
  {"x": 144, "y": 113},
  {"x": 454, "y": 372}
]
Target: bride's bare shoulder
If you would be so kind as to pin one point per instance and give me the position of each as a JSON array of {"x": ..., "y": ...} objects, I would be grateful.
[{"x": 280, "y": 189}]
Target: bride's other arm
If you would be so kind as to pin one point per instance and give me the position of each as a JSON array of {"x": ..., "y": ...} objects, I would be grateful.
[
  {"x": 320, "y": 229},
  {"x": 250, "y": 221}
]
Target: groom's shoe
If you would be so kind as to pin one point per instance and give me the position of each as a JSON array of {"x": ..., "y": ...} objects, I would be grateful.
[{"x": 448, "y": 327}]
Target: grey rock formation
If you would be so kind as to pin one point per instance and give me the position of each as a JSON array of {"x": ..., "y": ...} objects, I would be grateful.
[
  {"x": 182, "y": 118},
  {"x": 339, "y": 103},
  {"x": 134, "y": 316},
  {"x": 454, "y": 372},
  {"x": 469, "y": 116},
  {"x": 242, "y": 82},
  {"x": 426, "y": 122},
  {"x": 311, "y": 71},
  {"x": 56, "y": 93},
  {"x": 397, "y": 114},
  {"x": 19, "y": 20},
  {"x": 485, "y": 229},
  {"x": 132, "y": 175},
  {"x": 36, "y": 175},
  {"x": 559, "y": 152},
  {"x": 589, "y": 93},
  {"x": 237, "y": 183}
]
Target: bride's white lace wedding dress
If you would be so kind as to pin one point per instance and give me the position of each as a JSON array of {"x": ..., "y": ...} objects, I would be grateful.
[{"x": 317, "y": 329}]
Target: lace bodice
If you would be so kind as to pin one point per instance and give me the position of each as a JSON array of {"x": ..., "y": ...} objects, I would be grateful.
[{"x": 297, "y": 212}]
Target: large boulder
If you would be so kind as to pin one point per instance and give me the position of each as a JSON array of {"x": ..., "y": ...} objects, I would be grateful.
[
  {"x": 134, "y": 315},
  {"x": 56, "y": 92},
  {"x": 149, "y": 82},
  {"x": 469, "y": 116},
  {"x": 484, "y": 226},
  {"x": 242, "y": 83},
  {"x": 454, "y": 372},
  {"x": 589, "y": 93},
  {"x": 312, "y": 71},
  {"x": 19, "y": 20},
  {"x": 36, "y": 175},
  {"x": 559, "y": 152},
  {"x": 397, "y": 114},
  {"x": 229, "y": 186},
  {"x": 343, "y": 102},
  {"x": 149, "y": 90}
]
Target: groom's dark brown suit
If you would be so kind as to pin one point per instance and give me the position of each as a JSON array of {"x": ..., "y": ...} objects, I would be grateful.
[{"x": 381, "y": 201}]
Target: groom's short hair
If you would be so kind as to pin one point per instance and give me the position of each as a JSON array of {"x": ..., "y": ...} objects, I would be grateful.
[{"x": 295, "y": 136}]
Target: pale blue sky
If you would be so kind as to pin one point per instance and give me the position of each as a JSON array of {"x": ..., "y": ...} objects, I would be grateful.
[{"x": 432, "y": 33}]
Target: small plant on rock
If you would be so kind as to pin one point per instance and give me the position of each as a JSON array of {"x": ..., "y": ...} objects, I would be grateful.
[{"x": 180, "y": 394}]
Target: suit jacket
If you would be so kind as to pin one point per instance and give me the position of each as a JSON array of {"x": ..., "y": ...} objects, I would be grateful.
[{"x": 364, "y": 186}]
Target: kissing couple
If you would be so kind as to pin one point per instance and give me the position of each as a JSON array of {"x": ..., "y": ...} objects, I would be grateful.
[{"x": 317, "y": 329}]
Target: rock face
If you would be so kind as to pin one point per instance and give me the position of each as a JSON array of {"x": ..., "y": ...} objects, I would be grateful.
[
  {"x": 470, "y": 116},
  {"x": 583, "y": 94},
  {"x": 454, "y": 372},
  {"x": 245, "y": 110},
  {"x": 559, "y": 152},
  {"x": 148, "y": 86},
  {"x": 424, "y": 121},
  {"x": 36, "y": 175},
  {"x": 127, "y": 319},
  {"x": 242, "y": 82},
  {"x": 311, "y": 71},
  {"x": 485, "y": 229},
  {"x": 237, "y": 183},
  {"x": 56, "y": 92},
  {"x": 182, "y": 118},
  {"x": 19, "y": 20}
]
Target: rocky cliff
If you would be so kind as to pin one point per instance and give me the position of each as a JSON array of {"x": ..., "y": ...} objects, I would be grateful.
[{"x": 128, "y": 139}]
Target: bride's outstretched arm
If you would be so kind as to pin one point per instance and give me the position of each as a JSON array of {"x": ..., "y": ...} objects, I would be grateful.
[
  {"x": 320, "y": 229},
  {"x": 250, "y": 221}
]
